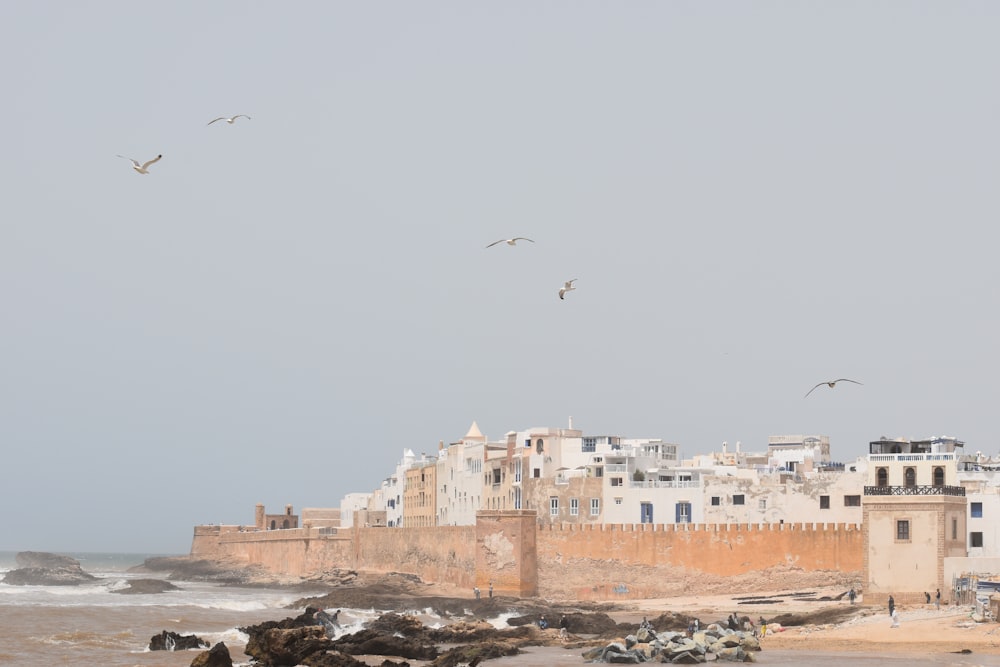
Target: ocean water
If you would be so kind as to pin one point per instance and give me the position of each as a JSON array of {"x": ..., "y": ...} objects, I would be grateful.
[{"x": 88, "y": 625}]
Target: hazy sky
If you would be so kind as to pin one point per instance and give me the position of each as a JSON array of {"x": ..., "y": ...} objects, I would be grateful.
[{"x": 753, "y": 196}]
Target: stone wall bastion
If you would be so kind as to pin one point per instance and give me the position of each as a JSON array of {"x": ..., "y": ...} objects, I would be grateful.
[{"x": 523, "y": 557}]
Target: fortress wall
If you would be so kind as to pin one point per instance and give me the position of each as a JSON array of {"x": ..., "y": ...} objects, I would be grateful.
[
  {"x": 653, "y": 560},
  {"x": 585, "y": 561},
  {"x": 443, "y": 553}
]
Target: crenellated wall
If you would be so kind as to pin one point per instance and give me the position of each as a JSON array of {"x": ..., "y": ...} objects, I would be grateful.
[{"x": 522, "y": 557}]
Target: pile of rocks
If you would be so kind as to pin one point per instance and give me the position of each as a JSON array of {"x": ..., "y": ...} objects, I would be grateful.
[{"x": 715, "y": 642}]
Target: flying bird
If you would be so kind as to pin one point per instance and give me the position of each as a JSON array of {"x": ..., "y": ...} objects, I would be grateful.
[
  {"x": 512, "y": 241},
  {"x": 144, "y": 167},
  {"x": 229, "y": 120},
  {"x": 567, "y": 287},
  {"x": 830, "y": 383}
]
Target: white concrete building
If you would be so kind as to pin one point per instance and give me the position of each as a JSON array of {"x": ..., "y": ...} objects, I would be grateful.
[{"x": 460, "y": 479}]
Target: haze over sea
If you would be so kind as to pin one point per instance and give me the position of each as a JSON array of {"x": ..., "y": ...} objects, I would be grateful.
[{"x": 88, "y": 625}]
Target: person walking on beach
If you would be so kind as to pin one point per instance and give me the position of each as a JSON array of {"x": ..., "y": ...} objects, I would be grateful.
[
  {"x": 851, "y": 595},
  {"x": 763, "y": 627},
  {"x": 937, "y": 599},
  {"x": 892, "y": 605},
  {"x": 479, "y": 593},
  {"x": 563, "y": 626}
]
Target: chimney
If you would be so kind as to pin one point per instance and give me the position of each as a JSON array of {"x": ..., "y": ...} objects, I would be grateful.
[{"x": 571, "y": 422}]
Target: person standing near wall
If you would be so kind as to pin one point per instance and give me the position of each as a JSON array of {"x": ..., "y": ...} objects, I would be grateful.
[
  {"x": 892, "y": 605},
  {"x": 937, "y": 599}
]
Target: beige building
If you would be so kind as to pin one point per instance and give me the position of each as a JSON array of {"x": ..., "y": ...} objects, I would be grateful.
[
  {"x": 914, "y": 516},
  {"x": 420, "y": 495}
]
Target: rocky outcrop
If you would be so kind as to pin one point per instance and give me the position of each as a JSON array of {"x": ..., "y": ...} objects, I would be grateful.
[
  {"x": 217, "y": 656},
  {"x": 185, "y": 568},
  {"x": 145, "y": 587},
  {"x": 38, "y": 568},
  {"x": 713, "y": 643},
  {"x": 171, "y": 641}
]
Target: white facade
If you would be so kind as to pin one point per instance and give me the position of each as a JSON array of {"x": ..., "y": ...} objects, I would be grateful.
[
  {"x": 460, "y": 479},
  {"x": 351, "y": 504}
]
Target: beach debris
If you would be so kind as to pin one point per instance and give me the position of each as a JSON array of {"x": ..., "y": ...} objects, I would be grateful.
[{"x": 713, "y": 643}]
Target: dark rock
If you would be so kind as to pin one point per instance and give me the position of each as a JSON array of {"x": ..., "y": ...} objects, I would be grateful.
[
  {"x": 370, "y": 642},
  {"x": 217, "y": 656},
  {"x": 474, "y": 654},
  {"x": 38, "y": 568},
  {"x": 277, "y": 647},
  {"x": 146, "y": 587},
  {"x": 171, "y": 641},
  {"x": 335, "y": 659},
  {"x": 687, "y": 658}
]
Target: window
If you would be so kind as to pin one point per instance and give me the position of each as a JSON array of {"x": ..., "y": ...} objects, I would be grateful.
[
  {"x": 496, "y": 476},
  {"x": 738, "y": 499},
  {"x": 554, "y": 505},
  {"x": 954, "y": 529},
  {"x": 715, "y": 501},
  {"x": 574, "y": 506},
  {"x": 539, "y": 447},
  {"x": 824, "y": 502},
  {"x": 910, "y": 477},
  {"x": 902, "y": 530},
  {"x": 590, "y": 444},
  {"x": 852, "y": 501},
  {"x": 595, "y": 506},
  {"x": 975, "y": 539},
  {"x": 683, "y": 512},
  {"x": 762, "y": 504},
  {"x": 618, "y": 501},
  {"x": 645, "y": 512},
  {"x": 976, "y": 510},
  {"x": 536, "y": 473},
  {"x": 938, "y": 476},
  {"x": 881, "y": 477},
  {"x": 616, "y": 481}
]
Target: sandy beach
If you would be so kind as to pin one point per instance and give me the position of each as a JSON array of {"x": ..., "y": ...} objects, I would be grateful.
[{"x": 922, "y": 628}]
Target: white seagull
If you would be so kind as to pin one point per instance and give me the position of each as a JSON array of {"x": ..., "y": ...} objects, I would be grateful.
[
  {"x": 512, "y": 241},
  {"x": 830, "y": 383},
  {"x": 229, "y": 120},
  {"x": 144, "y": 167},
  {"x": 568, "y": 287}
]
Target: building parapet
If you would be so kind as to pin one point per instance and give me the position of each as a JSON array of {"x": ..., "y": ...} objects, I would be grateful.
[
  {"x": 698, "y": 527},
  {"x": 884, "y": 458},
  {"x": 919, "y": 490}
]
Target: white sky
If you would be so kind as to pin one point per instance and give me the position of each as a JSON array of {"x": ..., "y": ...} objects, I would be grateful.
[{"x": 753, "y": 196}]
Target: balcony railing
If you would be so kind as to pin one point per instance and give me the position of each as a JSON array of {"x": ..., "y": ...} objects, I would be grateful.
[
  {"x": 920, "y": 490},
  {"x": 663, "y": 484}
]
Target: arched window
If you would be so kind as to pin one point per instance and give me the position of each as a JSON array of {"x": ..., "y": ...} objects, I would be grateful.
[
  {"x": 938, "y": 476},
  {"x": 273, "y": 524},
  {"x": 882, "y": 477},
  {"x": 910, "y": 477},
  {"x": 284, "y": 524},
  {"x": 539, "y": 446}
]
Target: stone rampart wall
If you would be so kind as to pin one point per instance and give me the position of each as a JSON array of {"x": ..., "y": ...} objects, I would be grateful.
[
  {"x": 574, "y": 561},
  {"x": 659, "y": 560}
]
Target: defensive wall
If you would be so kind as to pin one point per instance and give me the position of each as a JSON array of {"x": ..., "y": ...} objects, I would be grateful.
[{"x": 521, "y": 557}]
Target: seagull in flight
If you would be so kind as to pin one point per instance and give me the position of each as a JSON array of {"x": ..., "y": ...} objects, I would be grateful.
[
  {"x": 144, "y": 167},
  {"x": 830, "y": 383},
  {"x": 512, "y": 241},
  {"x": 567, "y": 287},
  {"x": 230, "y": 120}
]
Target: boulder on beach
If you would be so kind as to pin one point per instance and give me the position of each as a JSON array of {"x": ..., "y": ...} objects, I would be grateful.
[
  {"x": 217, "y": 656},
  {"x": 39, "y": 568},
  {"x": 171, "y": 641}
]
